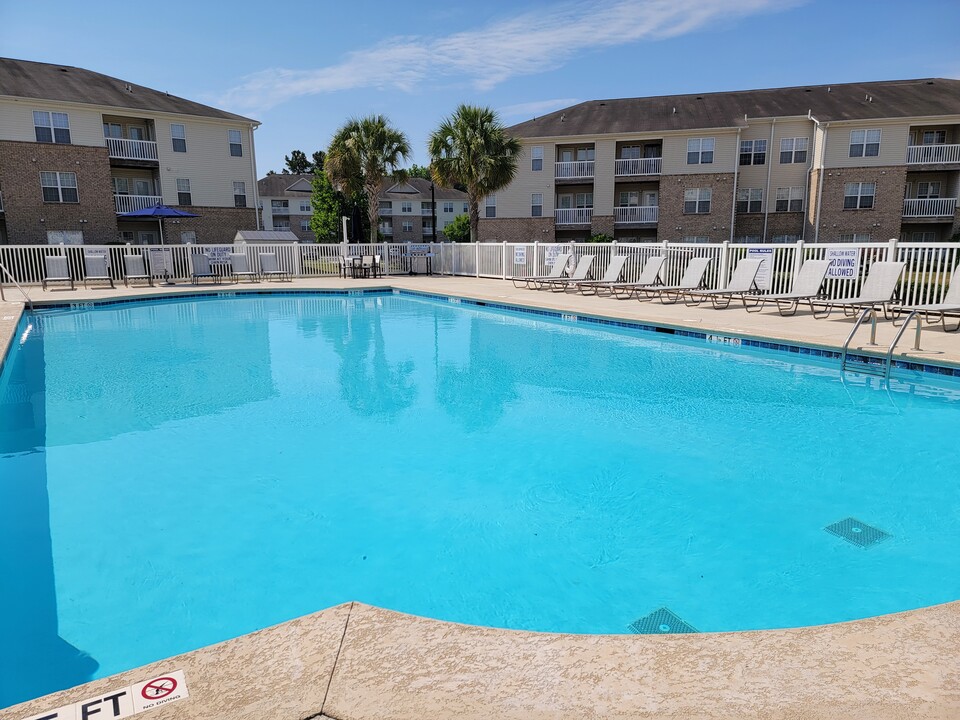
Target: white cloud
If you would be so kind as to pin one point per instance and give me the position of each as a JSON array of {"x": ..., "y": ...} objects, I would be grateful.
[
  {"x": 528, "y": 43},
  {"x": 537, "y": 107}
]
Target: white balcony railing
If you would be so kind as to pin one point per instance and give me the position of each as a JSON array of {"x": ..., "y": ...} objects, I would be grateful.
[
  {"x": 124, "y": 149},
  {"x": 279, "y": 210},
  {"x": 573, "y": 216},
  {"x": 930, "y": 207},
  {"x": 386, "y": 229},
  {"x": 639, "y": 166},
  {"x": 575, "y": 169},
  {"x": 130, "y": 203},
  {"x": 924, "y": 154},
  {"x": 385, "y": 211},
  {"x": 636, "y": 214},
  {"x": 426, "y": 212}
]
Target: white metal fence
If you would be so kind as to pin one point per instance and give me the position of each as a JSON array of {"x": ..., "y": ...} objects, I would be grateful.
[{"x": 925, "y": 279}]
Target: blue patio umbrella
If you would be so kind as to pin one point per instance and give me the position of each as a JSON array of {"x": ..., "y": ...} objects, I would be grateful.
[{"x": 158, "y": 211}]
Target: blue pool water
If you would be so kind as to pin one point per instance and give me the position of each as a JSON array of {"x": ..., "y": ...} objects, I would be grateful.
[{"x": 173, "y": 474}]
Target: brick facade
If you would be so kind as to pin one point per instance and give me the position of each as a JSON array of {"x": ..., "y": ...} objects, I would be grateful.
[
  {"x": 602, "y": 224},
  {"x": 531, "y": 229},
  {"x": 215, "y": 224},
  {"x": 674, "y": 225},
  {"x": 778, "y": 223},
  {"x": 882, "y": 222}
]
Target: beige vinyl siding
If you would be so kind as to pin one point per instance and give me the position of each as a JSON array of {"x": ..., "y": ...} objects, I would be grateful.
[
  {"x": 605, "y": 152},
  {"x": 16, "y": 121},
  {"x": 893, "y": 144},
  {"x": 821, "y": 140},
  {"x": 514, "y": 200},
  {"x": 725, "y": 153}
]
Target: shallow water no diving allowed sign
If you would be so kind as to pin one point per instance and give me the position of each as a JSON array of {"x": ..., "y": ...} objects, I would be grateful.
[{"x": 124, "y": 702}]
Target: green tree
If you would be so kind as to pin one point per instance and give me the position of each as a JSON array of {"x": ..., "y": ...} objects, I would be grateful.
[
  {"x": 319, "y": 160},
  {"x": 471, "y": 147},
  {"x": 459, "y": 229},
  {"x": 297, "y": 163},
  {"x": 326, "y": 209},
  {"x": 418, "y": 171},
  {"x": 362, "y": 153}
]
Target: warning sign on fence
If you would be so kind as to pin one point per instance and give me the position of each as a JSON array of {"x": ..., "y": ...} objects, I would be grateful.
[{"x": 844, "y": 263}]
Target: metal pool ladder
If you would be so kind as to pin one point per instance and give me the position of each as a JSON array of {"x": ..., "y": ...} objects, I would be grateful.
[
  {"x": 871, "y": 368},
  {"x": 14, "y": 281}
]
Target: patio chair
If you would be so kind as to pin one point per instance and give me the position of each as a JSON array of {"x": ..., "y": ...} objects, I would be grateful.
[
  {"x": 377, "y": 266},
  {"x": 200, "y": 268},
  {"x": 56, "y": 269},
  {"x": 649, "y": 275},
  {"x": 580, "y": 273},
  {"x": 135, "y": 268},
  {"x": 269, "y": 268},
  {"x": 557, "y": 271},
  {"x": 240, "y": 267},
  {"x": 950, "y": 305},
  {"x": 742, "y": 282},
  {"x": 367, "y": 266},
  {"x": 346, "y": 265},
  {"x": 610, "y": 276},
  {"x": 95, "y": 268},
  {"x": 806, "y": 287},
  {"x": 880, "y": 288},
  {"x": 693, "y": 278}
]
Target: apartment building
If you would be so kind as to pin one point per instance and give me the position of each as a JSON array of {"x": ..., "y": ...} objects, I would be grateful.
[
  {"x": 406, "y": 212},
  {"x": 77, "y": 148},
  {"x": 285, "y": 204},
  {"x": 823, "y": 163}
]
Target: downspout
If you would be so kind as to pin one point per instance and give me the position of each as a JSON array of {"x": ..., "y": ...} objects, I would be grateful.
[
  {"x": 736, "y": 175},
  {"x": 253, "y": 169},
  {"x": 823, "y": 155},
  {"x": 766, "y": 192}
]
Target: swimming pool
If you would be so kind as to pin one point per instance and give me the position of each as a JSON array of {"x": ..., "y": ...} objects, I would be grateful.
[{"x": 177, "y": 473}]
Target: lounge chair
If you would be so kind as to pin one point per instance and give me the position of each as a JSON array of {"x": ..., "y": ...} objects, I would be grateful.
[
  {"x": 649, "y": 275},
  {"x": 240, "y": 267},
  {"x": 880, "y": 288},
  {"x": 692, "y": 279},
  {"x": 559, "y": 267},
  {"x": 742, "y": 282},
  {"x": 269, "y": 268},
  {"x": 135, "y": 268},
  {"x": 200, "y": 268},
  {"x": 610, "y": 276},
  {"x": 95, "y": 268},
  {"x": 580, "y": 274},
  {"x": 950, "y": 305},
  {"x": 56, "y": 269},
  {"x": 806, "y": 287}
]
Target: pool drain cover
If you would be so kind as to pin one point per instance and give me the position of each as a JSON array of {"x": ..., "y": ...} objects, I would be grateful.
[
  {"x": 856, "y": 532},
  {"x": 661, "y": 622}
]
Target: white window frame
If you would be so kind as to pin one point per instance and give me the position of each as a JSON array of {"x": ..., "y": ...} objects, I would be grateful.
[
  {"x": 448, "y": 207},
  {"x": 858, "y": 190},
  {"x": 789, "y": 199},
  {"x": 64, "y": 181},
  {"x": 235, "y": 140},
  {"x": 629, "y": 198},
  {"x": 108, "y": 128},
  {"x": 855, "y": 237},
  {"x": 936, "y": 137},
  {"x": 406, "y": 206},
  {"x": 48, "y": 120},
  {"x": 407, "y": 226},
  {"x": 923, "y": 236},
  {"x": 929, "y": 190},
  {"x": 754, "y": 152},
  {"x": 305, "y": 225},
  {"x": 536, "y": 158},
  {"x": 490, "y": 206},
  {"x": 180, "y": 135},
  {"x": 750, "y": 200},
  {"x": 701, "y": 239},
  {"x": 700, "y": 151},
  {"x": 865, "y": 143},
  {"x": 188, "y": 237},
  {"x": 121, "y": 185},
  {"x": 791, "y": 150},
  {"x": 181, "y": 184},
  {"x": 785, "y": 239},
  {"x": 701, "y": 199},
  {"x": 631, "y": 152},
  {"x": 239, "y": 194},
  {"x": 536, "y": 204},
  {"x": 305, "y": 206}
]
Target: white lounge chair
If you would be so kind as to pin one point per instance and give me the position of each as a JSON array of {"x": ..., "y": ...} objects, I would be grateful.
[
  {"x": 950, "y": 305},
  {"x": 557, "y": 271},
  {"x": 806, "y": 287},
  {"x": 580, "y": 273},
  {"x": 880, "y": 288},
  {"x": 692, "y": 279},
  {"x": 610, "y": 276},
  {"x": 200, "y": 269},
  {"x": 743, "y": 281},
  {"x": 56, "y": 269},
  {"x": 95, "y": 268},
  {"x": 269, "y": 268},
  {"x": 135, "y": 268},
  {"x": 649, "y": 275},
  {"x": 240, "y": 267}
]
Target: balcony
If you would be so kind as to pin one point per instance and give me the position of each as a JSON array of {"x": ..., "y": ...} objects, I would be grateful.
[
  {"x": 385, "y": 211},
  {"x": 932, "y": 154},
  {"x": 930, "y": 208},
  {"x": 573, "y": 216},
  {"x": 131, "y": 203},
  {"x": 386, "y": 230},
  {"x": 575, "y": 170},
  {"x": 636, "y": 214},
  {"x": 279, "y": 210},
  {"x": 638, "y": 166},
  {"x": 123, "y": 149}
]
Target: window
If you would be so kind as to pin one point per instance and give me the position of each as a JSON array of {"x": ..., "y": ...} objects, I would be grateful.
[
  {"x": 789, "y": 199},
  {"x": 406, "y": 206},
  {"x": 236, "y": 143},
  {"x": 584, "y": 200},
  {"x": 536, "y": 158},
  {"x": 112, "y": 130},
  {"x": 750, "y": 200},
  {"x": 121, "y": 186},
  {"x": 928, "y": 190},
  {"x": 490, "y": 206},
  {"x": 629, "y": 198},
  {"x": 128, "y": 237},
  {"x": 142, "y": 187},
  {"x": 630, "y": 152},
  {"x": 793, "y": 150},
  {"x": 448, "y": 207},
  {"x": 179, "y": 135},
  {"x": 426, "y": 208},
  {"x": 407, "y": 226},
  {"x": 188, "y": 237},
  {"x": 466, "y": 207},
  {"x": 748, "y": 239},
  {"x": 51, "y": 127},
  {"x": 536, "y": 205},
  {"x": 855, "y": 237},
  {"x": 65, "y": 237},
  {"x": 785, "y": 238},
  {"x": 584, "y": 154},
  {"x": 304, "y": 226},
  {"x": 934, "y": 137},
  {"x": 753, "y": 152},
  {"x": 280, "y": 206},
  {"x": 239, "y": 195},
  {"x": 696, "y": 239},
  {"x": 281, "y": 225},
  {"x": 700, "y": 151},
  {"x": 864, "y": 143},
  {"x": 859, "y": 196},
  {"x": 183, "y": 192},
  {"x": 925, "y": 236},
  {"x": 305, "y": 206},
  {"x": 59, "y": 187},
  {"x": 697, "y": 200}
]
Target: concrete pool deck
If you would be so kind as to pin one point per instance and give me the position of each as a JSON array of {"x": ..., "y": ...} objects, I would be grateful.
[{"x": 357, "y": 662}]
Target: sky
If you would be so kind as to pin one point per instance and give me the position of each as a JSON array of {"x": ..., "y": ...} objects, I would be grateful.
[{"x": 304, "y": 69}]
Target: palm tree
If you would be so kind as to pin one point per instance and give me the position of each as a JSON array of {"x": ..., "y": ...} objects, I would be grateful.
[
  {"x": 471, "y": 147},
  {"x": 361, "y": 154}
]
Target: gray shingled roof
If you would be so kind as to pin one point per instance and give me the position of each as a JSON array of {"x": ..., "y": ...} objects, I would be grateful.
[
  {"x": 44, "y": 81},
  {"x": 276, "y": 185},
  {"x": 420, "y": 191},
  {"x": 853, "y": 101}
]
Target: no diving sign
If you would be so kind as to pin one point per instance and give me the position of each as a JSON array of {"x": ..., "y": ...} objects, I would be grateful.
[{"x": 124, "y": 702}]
